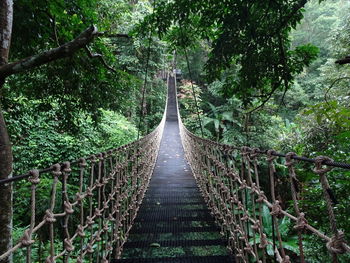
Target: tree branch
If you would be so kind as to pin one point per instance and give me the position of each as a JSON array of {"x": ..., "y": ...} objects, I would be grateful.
[
  {"x": 100, "y": 57},
  {"x": 331, "y": 86},
  {"x": 343, "y": 61},
  {"x": 55, "y": 30},
  {"x": 261, "y": 105},
  {"x": 285, "y": 68},
  {"x": 62, "y": 51},
  {"x": 267, "y": 98},
  {"x": 300, "y": 4},
  {"x": 54, "y": 26},
  {"x": 283, "y": 96},
  {"x": 105, "y": 34}
]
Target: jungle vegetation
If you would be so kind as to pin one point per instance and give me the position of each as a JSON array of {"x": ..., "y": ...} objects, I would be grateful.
[{"x": 264, "y": 74}]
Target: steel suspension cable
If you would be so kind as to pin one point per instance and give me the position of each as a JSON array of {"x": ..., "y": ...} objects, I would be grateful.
[
  {"x": 194, "y": 92},
  {"x": 146, "y": 74}
]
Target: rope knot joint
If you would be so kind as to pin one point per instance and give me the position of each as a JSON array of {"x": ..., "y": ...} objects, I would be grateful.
[
  {"x": 337, "y": 244},
  {"x": 34, "y": 177},
  {"x": 319, "y": 163}
]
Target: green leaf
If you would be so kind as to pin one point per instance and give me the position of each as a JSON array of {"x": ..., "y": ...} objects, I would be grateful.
[
  {"x": 267, "y": 220},
  {"x": 284, "y": 226},
  {"x": 154, "y": 245}
]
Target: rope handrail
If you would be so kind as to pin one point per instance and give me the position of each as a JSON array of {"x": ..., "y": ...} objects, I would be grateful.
[
  {"x": 104, "y": 191},
  {"x": 88, "y": 158},
  {"x": 294, "y": 157},
  {"x": 232, "y": 189},
  {"x": 278, "y": 154}
]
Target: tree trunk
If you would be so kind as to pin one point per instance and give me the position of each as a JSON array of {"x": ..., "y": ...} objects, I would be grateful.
[
  {"x": 7, "y": 69},
  {"x": 63, "y": 51},
  {"x": 5, "y": 190},
  {"x": 6, "y": 16}
]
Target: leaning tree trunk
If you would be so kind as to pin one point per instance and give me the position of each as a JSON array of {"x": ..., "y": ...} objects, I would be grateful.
[
  {"x": 7, "y": 69},
  {"x": 6, "y": 16},
  {"x": 5, "y": 190}
]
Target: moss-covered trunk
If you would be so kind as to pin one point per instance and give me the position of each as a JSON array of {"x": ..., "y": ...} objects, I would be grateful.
[{"x": 6, "y": 17}]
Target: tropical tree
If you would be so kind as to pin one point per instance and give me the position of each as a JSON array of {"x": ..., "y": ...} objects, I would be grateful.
[
  {"x": 219, "y": 120},
  {"x": 70, "y": 60},
  {"x": 240, "y": 33},
  {"x": 290, "y": 242}
]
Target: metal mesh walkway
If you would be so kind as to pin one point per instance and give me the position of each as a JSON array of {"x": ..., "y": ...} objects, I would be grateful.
[{"x": 173, "y": 223}]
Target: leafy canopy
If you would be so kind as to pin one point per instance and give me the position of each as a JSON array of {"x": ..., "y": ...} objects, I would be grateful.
[{"x": 252, "y": 34}]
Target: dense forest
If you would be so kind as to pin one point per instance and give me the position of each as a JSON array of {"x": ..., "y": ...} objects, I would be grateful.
[
  {"x": 56, "y": 105},
  {"x": 263, "y": 75},
  {"x": 310, "y": 117},
  {"x": 77, "y": 106}
]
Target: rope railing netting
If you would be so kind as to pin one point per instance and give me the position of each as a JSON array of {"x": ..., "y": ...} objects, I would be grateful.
[
  {"x": 92, "y": 204},
  {"x": 231, "y": 184}
]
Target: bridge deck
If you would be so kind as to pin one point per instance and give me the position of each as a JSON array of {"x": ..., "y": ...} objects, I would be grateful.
[{"x": 173, "y": 223}]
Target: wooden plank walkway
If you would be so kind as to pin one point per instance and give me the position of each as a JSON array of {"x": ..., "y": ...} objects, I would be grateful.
[{"x": 173, "y": 223}]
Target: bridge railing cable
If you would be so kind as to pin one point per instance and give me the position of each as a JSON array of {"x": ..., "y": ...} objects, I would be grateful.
[
  {"x": 91, "y": 206},
  {"x": 242, "y": 196}
]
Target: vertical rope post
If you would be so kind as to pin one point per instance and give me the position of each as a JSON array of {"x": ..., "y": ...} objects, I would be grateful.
[
  {"x": 337, "y": 243},
  {"x": 194, "y": 93},
  {"x": 146, "y": 75},
  {"x": 300, "y": 226}
]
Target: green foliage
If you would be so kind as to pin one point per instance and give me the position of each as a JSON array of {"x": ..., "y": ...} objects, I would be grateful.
[
  {"x": 323, "y": 124},
  {"x": 114, "y": 130},
  {"x": 22, "y": 200},
  {"x": 197, "y": 57},
  {"x": 311, "y": 118},
  {"x": 303, "y": 56},
  {"x": 218, "y": 121},
  {"x": 239, "y": 33},
  {"x": 79, "y": 83},
  {"x": 39, "y": 140},
  {"x": 76, "y": 106},
  {"x": 240, "y": 53},
  {"x": 42, "y": 25},
  {"x": 186, "y": 97},
  {"x": 155, "y": 101},
  {"x": 290, "y": 242}
]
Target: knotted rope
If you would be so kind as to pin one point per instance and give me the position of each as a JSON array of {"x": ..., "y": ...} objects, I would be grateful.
[
  {"x": 336, "y": 245},
  {"x": 233, "y": 191},
  {"x": 110, "y": 188}
]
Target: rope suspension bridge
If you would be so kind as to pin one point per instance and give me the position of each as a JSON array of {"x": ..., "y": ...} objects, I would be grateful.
[{"x": 171, "y": 193}]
